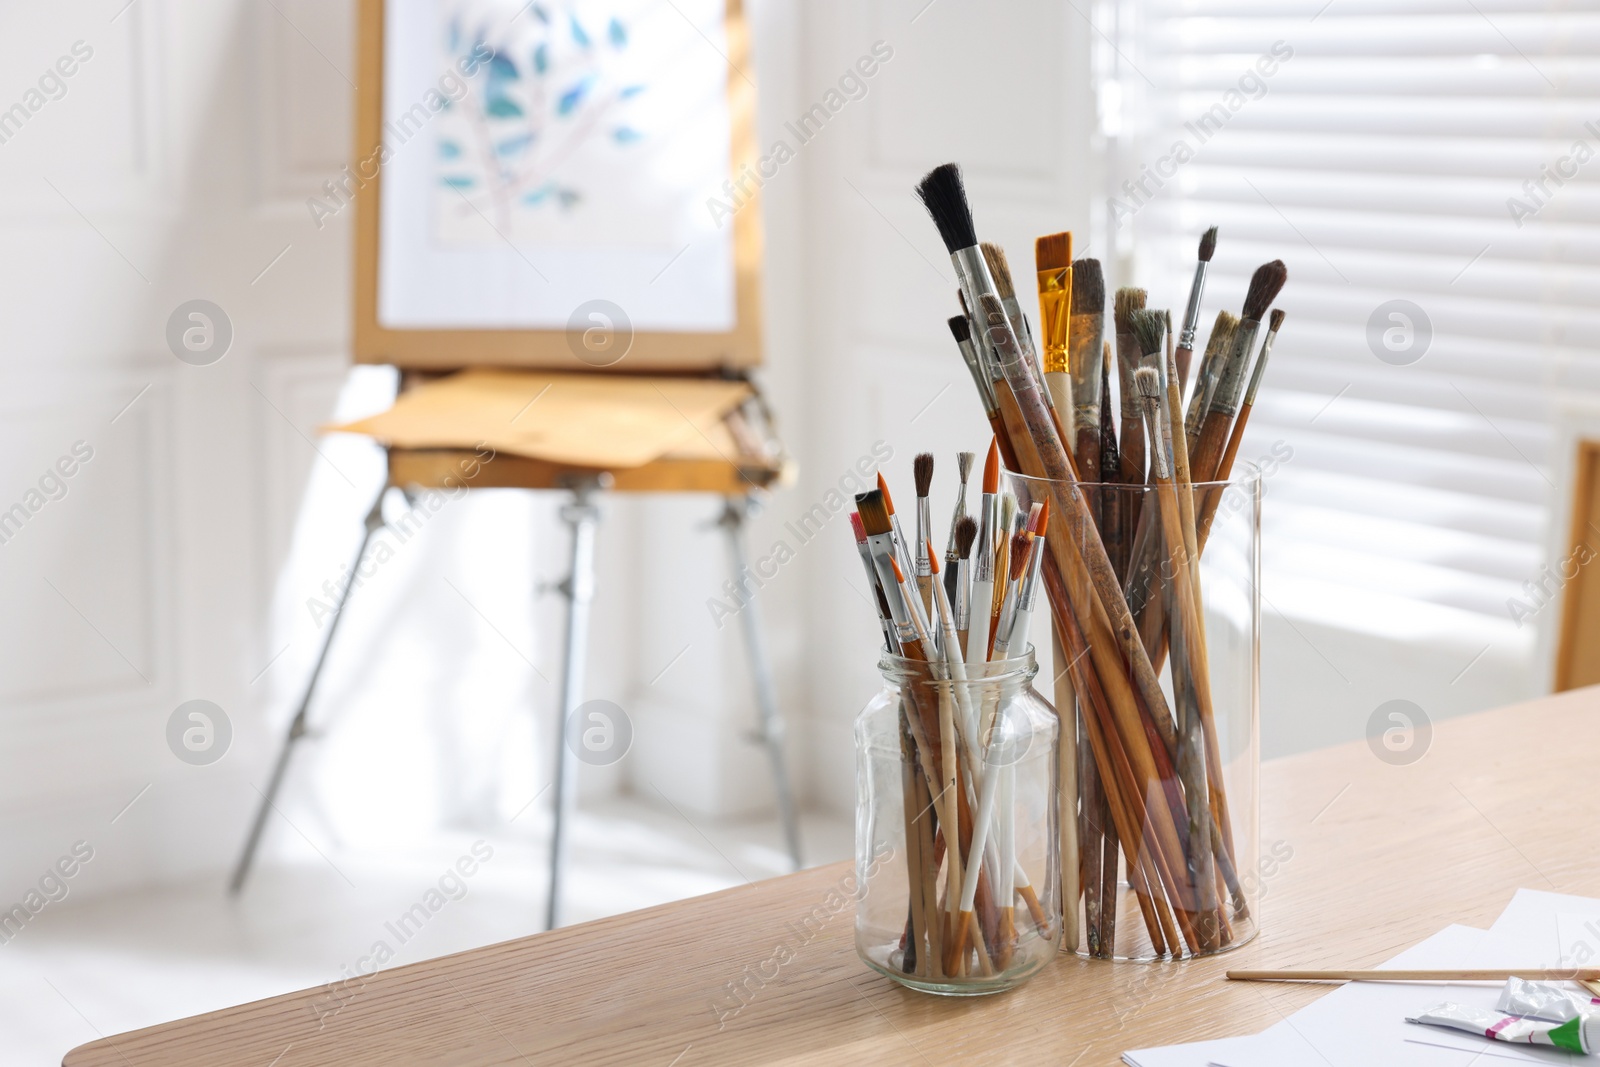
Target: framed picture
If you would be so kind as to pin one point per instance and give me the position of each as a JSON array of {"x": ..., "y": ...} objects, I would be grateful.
[{"x": 560, "y": 184}]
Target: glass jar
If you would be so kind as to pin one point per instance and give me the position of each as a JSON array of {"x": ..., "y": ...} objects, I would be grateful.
[
  {"x": 924, "y": 917},
  {"x": 1160, "y": 802}
]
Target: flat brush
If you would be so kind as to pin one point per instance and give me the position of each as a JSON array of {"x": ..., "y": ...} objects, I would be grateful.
[
  {"x": 877, "y": 522},
  {"x": 1086, "y": 360},
  {"x": 884, "y": 619},
  {"x": 922, "y": 475},
  {"x": 1128, "y": 300},
  {"x": 1191, "y": 313},
  {"x": 1052, "y": 260},
  {"x": 1265, "y": 285},
  {"x": 983, "y": 561},
  {"x": 1205, "y": 384}
]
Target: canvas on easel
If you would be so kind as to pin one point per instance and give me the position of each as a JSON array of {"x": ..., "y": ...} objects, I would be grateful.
[{"x": 533, "y": 176}]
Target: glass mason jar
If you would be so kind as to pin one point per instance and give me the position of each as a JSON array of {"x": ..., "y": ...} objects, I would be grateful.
[
  {"x": 925, "y": 917},
  {"x": 1160, "y": 759}
]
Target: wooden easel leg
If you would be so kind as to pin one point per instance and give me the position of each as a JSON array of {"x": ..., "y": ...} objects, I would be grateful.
[
  {"x": 736, "y": 509},
  {"x": 583, "y": 517},
  {"x": 297, "y": 725}
]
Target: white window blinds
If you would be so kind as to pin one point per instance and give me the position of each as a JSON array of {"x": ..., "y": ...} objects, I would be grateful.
[{"x": 1430, "y": 171}]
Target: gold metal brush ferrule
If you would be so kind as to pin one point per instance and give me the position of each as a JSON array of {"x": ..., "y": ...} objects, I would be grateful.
[{"x": 1055, "y": 304}]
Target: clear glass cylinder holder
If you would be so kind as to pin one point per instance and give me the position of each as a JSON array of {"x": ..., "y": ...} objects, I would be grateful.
[
  {"x": 905, "y": 926},
  {"x": 1167, "y": 898}
]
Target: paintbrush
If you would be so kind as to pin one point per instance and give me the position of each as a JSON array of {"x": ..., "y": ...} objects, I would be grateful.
[
  {"x": 1005, "y": 286},
  {"x": 889, "y": 641},
  {"x": 1218, "y": 345},
  {"x": 1131, "y": 446},
  {"x": 1230, "y": 454},
  {"x": 1052, "y": 260},
  {"x": 966, "y": 533},
  {"x": 1016, "y": 567},
  {"x": 902, "y": 547},
  {"x": 1021, "y": 616},
  {"x": 961, "y": 330},
  {"x": 1265, "y": 285},
  {"x": 964, "y": 461},
  {"x": 1086, "y": 361},
  {"x": 983, "y": 561},
  {"x": 922, "y": 475},
  {"x": 1191, "y": 313}
]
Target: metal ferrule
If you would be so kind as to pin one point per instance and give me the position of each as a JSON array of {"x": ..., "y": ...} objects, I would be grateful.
[
  {"x": 889, "y": 639},
  {"x": 972, "y": 274},
  {"x": 1191, "y": 314},
  {"x": 882, "y": 546},
  {"x": 924, "y": 525},
  {"x": 1030, "y": 578},
  {"x": 1003, "y": 624},
  {"x": 902, "y": 549},
  {"x": 961, "y": 603},
  {"x": 1225, "y": 401},
  {"x": 1055, "y": 304},
  {"x": 1007, "y": 353},
  {"x": 980, "y": 375},
  {"x": 1205, "y": 386},
  {"x": 983, "y": 547},
  {"x": 1261, "y": 365},
  {"x": 1019, "y": 324}
]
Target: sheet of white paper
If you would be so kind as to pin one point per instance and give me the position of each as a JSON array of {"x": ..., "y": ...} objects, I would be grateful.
[
  {"x": 1540, "y": 929},
  {"x": 1364, "y": 1023}
]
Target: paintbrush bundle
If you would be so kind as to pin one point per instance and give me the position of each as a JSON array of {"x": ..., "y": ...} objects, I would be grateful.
[
  {"x": 1156, "y": 687},
  {"x": 957, "y": 842}
]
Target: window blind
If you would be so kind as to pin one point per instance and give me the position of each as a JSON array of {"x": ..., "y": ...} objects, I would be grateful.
[{"x": 1430, "y": 171}]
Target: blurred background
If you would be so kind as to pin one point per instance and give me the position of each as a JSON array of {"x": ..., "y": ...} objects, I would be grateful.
[{"x": 1424, "y": 168}]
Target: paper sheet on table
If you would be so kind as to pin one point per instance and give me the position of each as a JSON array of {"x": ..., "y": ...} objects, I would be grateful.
[
  {"x": 1362, "y": 1024},
  {"x": 585, "y": 420},
  {"x": 1546, "y": 930}
]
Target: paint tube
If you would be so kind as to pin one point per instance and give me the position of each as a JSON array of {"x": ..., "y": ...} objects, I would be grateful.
[
  {"x": 1576, "y": 1035},
  {"x": 1551, "y": 1001}
]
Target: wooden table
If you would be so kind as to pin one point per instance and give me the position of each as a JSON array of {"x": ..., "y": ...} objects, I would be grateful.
[{"x": 1381, "y": 856}]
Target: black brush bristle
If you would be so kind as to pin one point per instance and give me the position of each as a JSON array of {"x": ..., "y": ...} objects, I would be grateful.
[
  {"x": 943, "y": 194},
  {"x": 1110, "y": 459},
  {"x": 966, "y": 533},
  {"x": 1150, "y": 327},
  {"x": 960, "y": 329},
  {"x": 922, "y": 472},
  {"x": 1265, "y": 285},
  {"x": 1208, "y": 245},
  {"x": 1088, "y": 287},
  {"x": 1127, "y": 301},
  {"x": 874, "y": 512},
  {"x": 1278, "y": 315}
]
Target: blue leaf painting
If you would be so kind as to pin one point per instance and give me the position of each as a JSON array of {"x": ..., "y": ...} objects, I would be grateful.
[
  {"x": 503, "y": 107},
  {"x": 457, "y": 181},
  {"x": 579, "y": 35},
  {"x": 573, "y": 97},
  {"x": 541, "y": 59},
  {"x": 503, "y": 69},
  {"x": 626, "y": 135},
  {"x": 541, "y": 14},
  {"x": 513, "y": 145},
  {"x": 630, "y": 91},
  {"x": 619, "y": 32},
  {"x": 449, "y": 150}
]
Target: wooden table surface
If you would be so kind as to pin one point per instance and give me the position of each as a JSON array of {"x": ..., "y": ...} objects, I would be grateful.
[{"x": 1379, "y": 857}]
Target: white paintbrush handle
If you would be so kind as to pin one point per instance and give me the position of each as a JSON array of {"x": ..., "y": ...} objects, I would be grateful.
[{"x": 978, "y": 629}]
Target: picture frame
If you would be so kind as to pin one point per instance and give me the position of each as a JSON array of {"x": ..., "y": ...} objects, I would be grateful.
[{"x": 593, "y": 328}]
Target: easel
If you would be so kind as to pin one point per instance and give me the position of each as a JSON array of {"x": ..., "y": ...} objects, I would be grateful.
[
  {"x": 701, "y": 466},
  {"x": 737, "y": 458}
]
